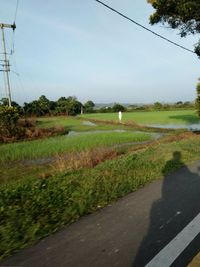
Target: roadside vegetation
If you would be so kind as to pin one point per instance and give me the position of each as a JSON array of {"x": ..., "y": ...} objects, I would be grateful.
[{"x": 35, "y": 207}]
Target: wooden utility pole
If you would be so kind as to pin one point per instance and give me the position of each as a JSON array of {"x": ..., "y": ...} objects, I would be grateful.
[{"x": 6, "y": 64}]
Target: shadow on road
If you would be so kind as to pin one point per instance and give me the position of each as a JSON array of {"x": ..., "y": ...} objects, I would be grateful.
[{"x": 177, "y": 207}]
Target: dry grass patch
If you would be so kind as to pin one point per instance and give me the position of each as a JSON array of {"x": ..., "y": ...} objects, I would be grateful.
[{"x": 83, "y": 159}]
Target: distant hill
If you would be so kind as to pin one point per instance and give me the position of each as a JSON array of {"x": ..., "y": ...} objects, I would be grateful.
[{"x": 104, "y": 105}]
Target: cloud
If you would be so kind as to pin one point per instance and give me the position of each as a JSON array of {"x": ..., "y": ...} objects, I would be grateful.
[{"x": 56, "y": 25}]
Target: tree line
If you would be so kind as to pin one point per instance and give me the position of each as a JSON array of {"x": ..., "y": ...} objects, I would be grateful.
[
  {"x": 71, "y": 106},
  {"x": 43, "y": 106}
]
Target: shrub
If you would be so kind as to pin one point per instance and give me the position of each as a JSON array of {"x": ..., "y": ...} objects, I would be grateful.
[{"x": 8, "y": 121}]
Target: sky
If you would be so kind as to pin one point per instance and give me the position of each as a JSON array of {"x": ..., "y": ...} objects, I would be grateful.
[{"x": 79, "y": 48}]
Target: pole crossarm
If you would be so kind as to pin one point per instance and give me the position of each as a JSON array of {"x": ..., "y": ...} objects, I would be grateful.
[{"x": 4, "y": 25}]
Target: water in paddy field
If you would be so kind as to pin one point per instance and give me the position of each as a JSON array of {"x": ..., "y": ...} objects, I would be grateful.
[
  {"x": 89, "y": 123},
  {"x": 191, "y": 127},
  {"x": 155, "y": 135},
  {"x": 96, "y": 131}
]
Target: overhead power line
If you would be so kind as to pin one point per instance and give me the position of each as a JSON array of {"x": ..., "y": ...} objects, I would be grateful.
[
  {"x": 14, "y": 22},
  {"x": 17, "y": 5},
  {"x": 145, "y": 28}
]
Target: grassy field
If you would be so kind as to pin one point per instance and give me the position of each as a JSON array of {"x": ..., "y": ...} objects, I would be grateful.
[
  {"x": 34, "y": 208},
  {"x": 183, "y": 117},
  {"x": 75, "y": 124},
  {"x": 63, "y": 144},
  {"x": 33, "y": 158},
  {"x": 69, "y": 123}
]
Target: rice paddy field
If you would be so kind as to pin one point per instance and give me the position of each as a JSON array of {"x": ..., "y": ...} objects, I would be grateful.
[
  {"x": 38, "y": 149},
  {"x": 76, "y": 124},
  {"x": 180, "y": 117},
  {"x": 51, "y": 182},
  {"x": 31, "y": 158}
]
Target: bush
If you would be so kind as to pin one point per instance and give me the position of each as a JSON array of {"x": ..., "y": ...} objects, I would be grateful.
[
  {"x": 12, "y": 128},
  {"x": 8, "y": 121}
]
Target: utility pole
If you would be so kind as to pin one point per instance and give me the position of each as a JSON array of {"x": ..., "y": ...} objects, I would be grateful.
[{"x": 6, "y": 64}]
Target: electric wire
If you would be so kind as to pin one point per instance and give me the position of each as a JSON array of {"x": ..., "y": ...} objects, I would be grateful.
[
  {"x": 16, "y": 72},
  {"x": 13, "y": 35},
  {"x": 16, "y": 10},
  {"x": 13, "y": 44},
  {"x": 145, "y": 28}
]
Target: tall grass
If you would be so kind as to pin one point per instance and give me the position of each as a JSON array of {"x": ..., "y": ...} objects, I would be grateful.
[{"x": 84, "y": 159}]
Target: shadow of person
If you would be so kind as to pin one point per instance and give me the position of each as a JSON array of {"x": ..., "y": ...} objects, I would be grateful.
[{"x": 177, "y": 207}]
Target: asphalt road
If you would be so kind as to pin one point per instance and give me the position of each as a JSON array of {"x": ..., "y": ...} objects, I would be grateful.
[{"x": 130, "y": 232}]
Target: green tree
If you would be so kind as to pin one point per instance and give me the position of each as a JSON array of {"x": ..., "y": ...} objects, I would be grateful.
[
  {"x": 180, "y": 14},
  {"x": 39, "y": 107},
  {"x": 118, "y": 107},
  {"x": 198, "y": 99},
  {"x": 69, "y": 106},
  {"x": 157, "y": 106},
  {"x": 89, "y": 106},
  {"x": 4, "y": 101},
  {"x": 61, "y": 105},
  {"x": 33, "y": 109},
  {"x": 44, "y": 105}
]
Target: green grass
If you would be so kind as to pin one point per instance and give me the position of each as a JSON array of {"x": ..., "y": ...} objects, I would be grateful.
[
  {"x": 152, "y": 117},
  {"x": 67, "y": 122},
  {"x": 63, "y": 144},
  {"x": 74, "y": 124},
  {"x": 18, "y": 171},
  {"x": 33, "y": 208}
]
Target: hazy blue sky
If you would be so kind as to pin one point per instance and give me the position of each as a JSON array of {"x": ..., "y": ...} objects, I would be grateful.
[{"x": 77, "y": 47}]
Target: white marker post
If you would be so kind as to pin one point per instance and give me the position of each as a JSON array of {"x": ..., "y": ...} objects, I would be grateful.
[{"x": 120, "y": 116}]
